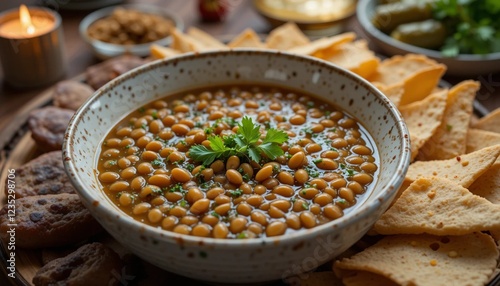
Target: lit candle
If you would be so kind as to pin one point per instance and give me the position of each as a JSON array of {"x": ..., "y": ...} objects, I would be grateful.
[
  {"x": 31, "y": 46},
  {"x": 26, "y": 25}
]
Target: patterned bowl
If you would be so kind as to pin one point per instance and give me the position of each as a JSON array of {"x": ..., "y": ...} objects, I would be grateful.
[{"x": 227, "y": 260}]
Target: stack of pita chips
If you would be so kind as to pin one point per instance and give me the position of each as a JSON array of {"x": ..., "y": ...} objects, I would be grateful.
[{"x": 444, "y": 225}]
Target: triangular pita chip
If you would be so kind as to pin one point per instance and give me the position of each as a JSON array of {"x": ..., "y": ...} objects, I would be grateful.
[
  {"x": 438, "y": 206},
  {"x": 207, "y": 40},
  {"x": 184, "y": 43},
  {"x": 423, "y": 118},
  {"x": 355, "y": 57},
  {"x": 478, "y": 139},
  {"x": 462, "y": 170},
  {"x": 426, "y": 260},
  {"x": 247, "y": 39},
  {"x": 161, "y": 52},
  {"x": 393, "y": 92},
  {"x": 285, "y": 37},
  {"x": 422, "y": 83},
  {"x": 449, "y": 139},
  {"x": 322, "y": 48},
  {"x": 398, "y": 68},
  {"x": 491, "y": 122},
  {"x": 488, "y": 185}
]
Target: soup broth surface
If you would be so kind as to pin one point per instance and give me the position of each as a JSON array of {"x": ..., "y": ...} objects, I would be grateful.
[{"x": 325, "y": 164}]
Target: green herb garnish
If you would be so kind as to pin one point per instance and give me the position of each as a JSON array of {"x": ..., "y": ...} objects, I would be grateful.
[
  {"x": 472, "y": 26},
  {"x": 241, "y": 235},
  {"x": 236, "y": 193},
  {"x": 157, "y": 162},
  {"x": 243, "y": 144},
  {"x": 318, "y": 160}
]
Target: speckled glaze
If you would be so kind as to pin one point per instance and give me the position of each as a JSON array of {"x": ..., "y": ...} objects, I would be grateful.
[{"x": 237, "y": 261}]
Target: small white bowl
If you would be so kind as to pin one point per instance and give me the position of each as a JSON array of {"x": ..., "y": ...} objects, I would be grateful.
[
  {"x": 104, "y": 50},
  {"x": 462, "y": 65},
  {"x": 237, "y": 260}
]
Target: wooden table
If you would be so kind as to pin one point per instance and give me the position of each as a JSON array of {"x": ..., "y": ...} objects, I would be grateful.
[{"x": 78, "y": 55}]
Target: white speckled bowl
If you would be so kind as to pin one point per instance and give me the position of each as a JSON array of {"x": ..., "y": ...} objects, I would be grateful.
[{"x": 237, "y": 261}]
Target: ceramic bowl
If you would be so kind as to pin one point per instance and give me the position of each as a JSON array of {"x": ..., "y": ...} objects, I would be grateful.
[
  {"x": 104, "y": 50},
  {"x": 236, "y": 260},
  {"x": 462, "y": 65}
]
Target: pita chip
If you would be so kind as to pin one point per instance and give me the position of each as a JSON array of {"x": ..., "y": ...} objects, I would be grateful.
[
  {"x": 355, "y": 57},
  {"x": 398, "y": 68},
  {"x": 490, "y": 122},
  {"x": 478, "y": 139},
  {"x": 247, "y": 39},
  {"x": 450, "y": 138},
  {"x": 285, "y": 37},
  {"x": 421, "y": 83},
  {"x": 161, "y": 52},
  {"x": 462, "y": 170},
  {"x": 184, "y": 43},
  {"x": 207, "y": 40},
  {"x": 440, "y": 207},
  {"x": 488, "y": 185},
  {"x": 323, "y": 47},
  {"x": 423, "y": 118},
  {"x": 393, "y": 92},
  {"x": 413, "y": 260}
]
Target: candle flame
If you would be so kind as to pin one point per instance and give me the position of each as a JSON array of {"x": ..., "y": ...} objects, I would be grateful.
[{"x": 25, "y": 17}]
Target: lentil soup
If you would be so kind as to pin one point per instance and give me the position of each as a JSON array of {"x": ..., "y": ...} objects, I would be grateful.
[{"x": 240, "y": 161}]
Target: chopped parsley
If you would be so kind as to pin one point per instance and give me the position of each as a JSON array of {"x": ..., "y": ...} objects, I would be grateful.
[
  {"x": 157, "y": 162},
  {"x": 243, "y": 144},
  {"x": 141, "y": 110},
  {"x": 177, "y": 188},
  {"x": 183, "y": 203},
  {"x": 241, "y": 235},
  {"x": 312, "y": 171},
  {"x": 305, "y": 206},
  {"x": 236, "y": 193},
  {"x": 318, "y": 160},
  {"x": 448, "y": 127}
]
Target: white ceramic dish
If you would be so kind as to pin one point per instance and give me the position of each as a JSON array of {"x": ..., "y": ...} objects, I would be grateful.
[
  {"x": 463, "y": 65},
  {"x": 226, "y": 260},
  {"x": 105, "y": 50}
]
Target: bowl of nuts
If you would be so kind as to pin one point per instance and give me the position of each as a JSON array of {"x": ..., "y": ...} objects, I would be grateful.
[{"x": 128, "y": 29}]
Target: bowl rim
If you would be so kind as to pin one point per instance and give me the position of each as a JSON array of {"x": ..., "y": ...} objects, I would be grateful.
[
  {"x": 147, "y": 8},
  {"x": 352, "y": 218},
  {"x": 363, "y": 13}
]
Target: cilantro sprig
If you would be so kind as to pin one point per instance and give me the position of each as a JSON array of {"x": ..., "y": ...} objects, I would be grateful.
[
  {"x": 243, "y": 144},
  {"x": 472, "y": 25}
]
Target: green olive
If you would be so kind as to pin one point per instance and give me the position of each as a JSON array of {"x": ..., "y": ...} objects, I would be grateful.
[
  {"x": 429, "y": 34},
  {"x": 389, "y": 16}
]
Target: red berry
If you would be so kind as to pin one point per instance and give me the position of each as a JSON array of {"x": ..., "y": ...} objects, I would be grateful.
[{"x": 212, "y": 10}]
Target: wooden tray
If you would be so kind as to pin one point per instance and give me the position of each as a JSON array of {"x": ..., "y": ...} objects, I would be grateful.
[{"x": 17, "y": 147}]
